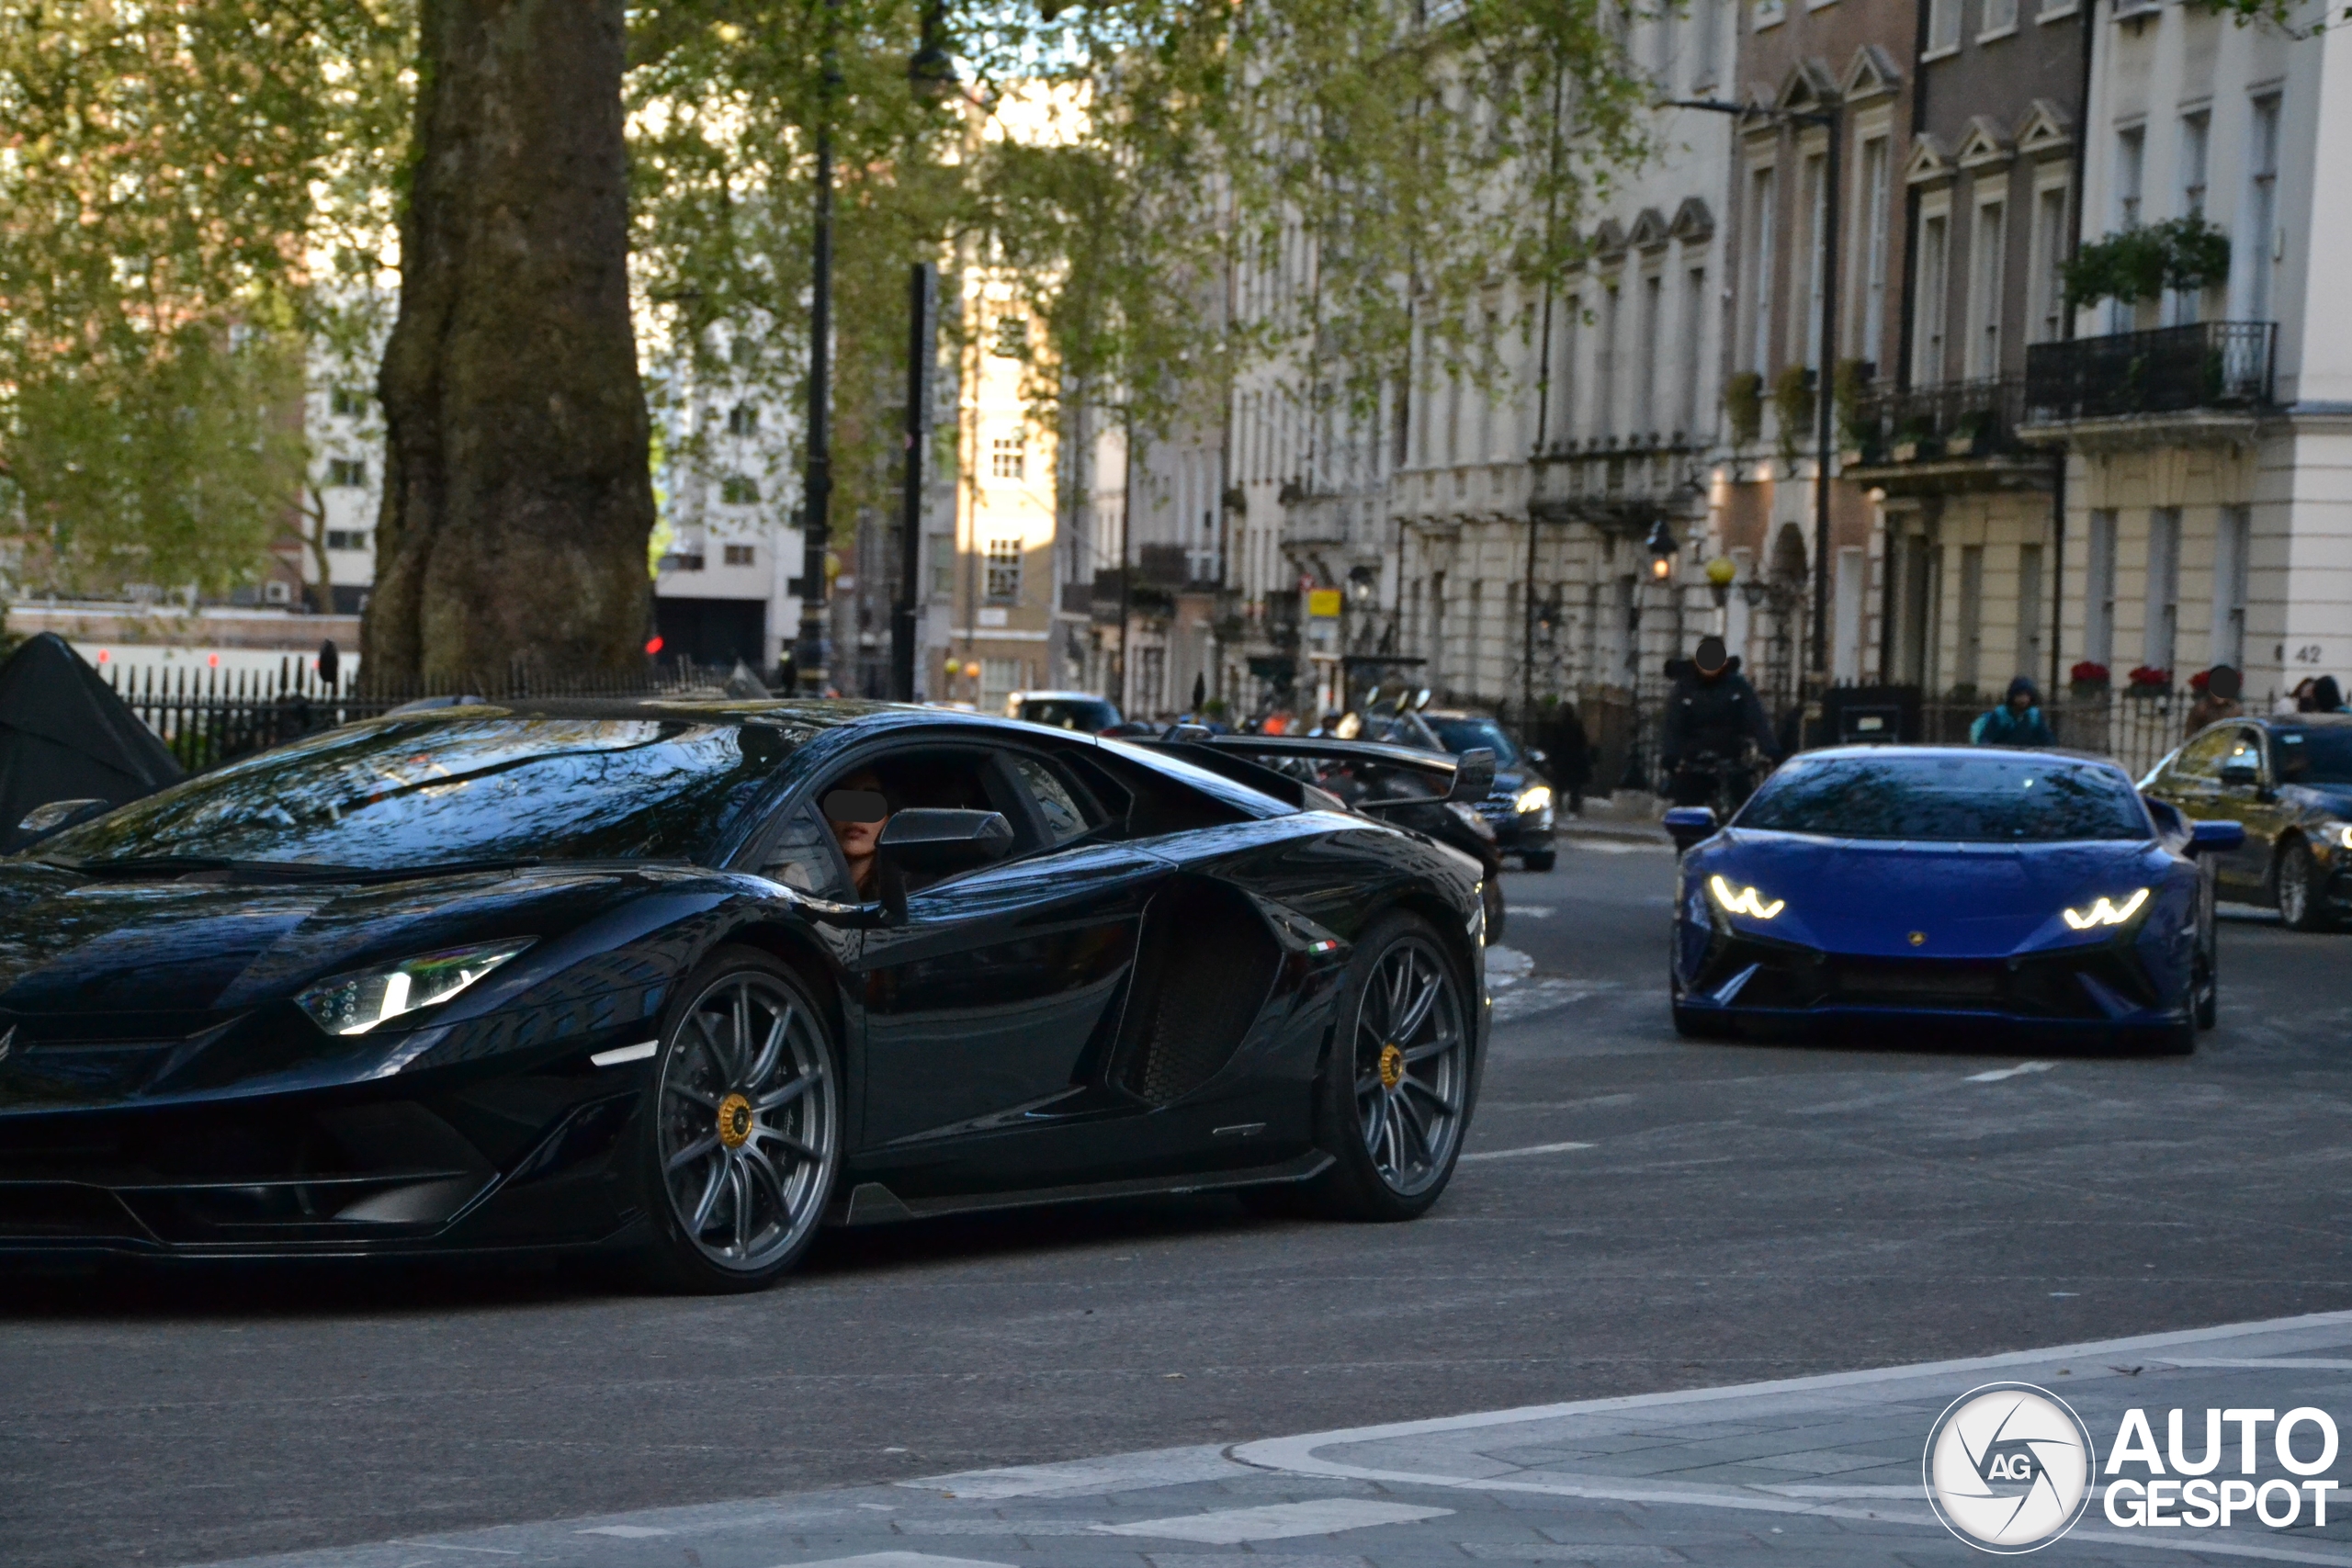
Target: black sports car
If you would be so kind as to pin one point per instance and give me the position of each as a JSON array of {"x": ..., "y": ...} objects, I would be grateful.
[
  {"x": 2288, "y": 780},
  {"x": 693, "y": 978}
]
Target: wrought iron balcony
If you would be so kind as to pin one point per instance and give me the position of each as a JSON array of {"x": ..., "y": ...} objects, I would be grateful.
[
  {"x": 2212, "y": 365},
  {"x": 1620, "y": 488},
  {"x": 1951, "y": 421}
]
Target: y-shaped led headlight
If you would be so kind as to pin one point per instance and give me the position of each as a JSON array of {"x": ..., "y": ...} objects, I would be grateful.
[
  {"x": 2107, "y": 912},
  {"x": 1746, "y": 901},
  {"x": 354, "y": 1004}
]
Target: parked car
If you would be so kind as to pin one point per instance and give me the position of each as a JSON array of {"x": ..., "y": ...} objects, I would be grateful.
[
  {"x": 1521, "y": 807},
  {"x": 2009, "y": 893},
  {"x": 2288, "y": 781},
  {"x": 1086, "y": 712},
  {"x": 687, "y": 979}
]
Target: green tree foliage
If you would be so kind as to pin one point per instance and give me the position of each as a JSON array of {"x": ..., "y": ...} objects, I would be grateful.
[
  {"x": 178, "y": 181},
  {"x": 2144, "y": 261}
]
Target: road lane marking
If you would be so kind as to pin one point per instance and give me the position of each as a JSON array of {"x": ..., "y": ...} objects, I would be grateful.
[
  {"x": 1997, "y": 1073},
  {"x": 900, "y": 1559},
  {"x": 625, "y": 1532},
  {"x": 445, "y": 1546},
  {"x": 1278, "y": 1521},
  {"x": 1532, "y": 911},
  {"x": 1155, "y": 1467},
  {"x": 1530, "y": 1149}
]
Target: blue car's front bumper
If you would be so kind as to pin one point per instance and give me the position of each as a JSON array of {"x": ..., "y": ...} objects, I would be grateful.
[{"x": 2100, "y": 988}]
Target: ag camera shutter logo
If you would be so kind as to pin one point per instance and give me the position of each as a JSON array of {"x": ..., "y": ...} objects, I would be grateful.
[{"x": 2008, "y": 1467}]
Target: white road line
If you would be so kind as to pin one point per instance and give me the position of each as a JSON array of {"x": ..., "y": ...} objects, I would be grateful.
[
  {"x": 1231, "y": 1527},
  {"x": 1997, "y": 1073},
  {"x": 445, "y": 1546},
  {"x": 2281, "y": 1363},
  {"x": 1156, "y": 1467},
  {"x": 625, "y": 1532},
  {"x": 900, "y": 1559},
  {"x": 1531, "y": 1149},
  {"x": 1532, "y": 911}
]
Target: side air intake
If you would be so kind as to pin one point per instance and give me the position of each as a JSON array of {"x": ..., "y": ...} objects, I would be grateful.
[{"x": 1206, "y": 966}]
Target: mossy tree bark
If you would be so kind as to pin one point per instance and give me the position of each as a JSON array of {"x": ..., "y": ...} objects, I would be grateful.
[{"x": 518, "y": 501}]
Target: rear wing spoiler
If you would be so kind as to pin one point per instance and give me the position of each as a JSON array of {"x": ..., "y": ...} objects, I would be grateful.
[{"x": 1467, "y": 776}]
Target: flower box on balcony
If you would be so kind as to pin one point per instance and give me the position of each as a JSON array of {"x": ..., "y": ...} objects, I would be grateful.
[
  {"x": 1908, "y": 451},
  {"x": 1960, "y": 445}
]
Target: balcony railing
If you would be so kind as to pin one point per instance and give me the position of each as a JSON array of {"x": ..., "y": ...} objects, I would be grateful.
[
  {"x": 1625, "y": 487},
  {"x": 1955, "y": 419},
  {"x": 2213, "y": 364}
]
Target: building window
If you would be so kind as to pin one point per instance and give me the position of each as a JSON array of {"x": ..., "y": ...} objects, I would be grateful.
[
  {"x": 1984, "y": 289},
  {"x": 2098, "y": 591},
  {"x": 1816, "y": 222},
  {"x": 744, "y": 419},
  {"x": 1703, "y": 24},
  {"x": 1007, "y": 458},
  {"x": 942, "y": 566},
  {"x": 1011, "y": 337},
  {"x": 348, "y": 401},
  {"x": 2048, "y": 265},
  {"x": 2195, "y": 133},
  {"x": 2030, "y": 611},
  {"x": 739, "y": 489},
  {"x": 347, "y": 538},
  {"x": 2260, "y": 246},
  {"x": 1004, "y": 570},
  {"x": 1652, "y": 347},
  {"x": 1875, "y": 207},
  {"x": 739, "y": 555},
  {"x": 2232, "y": 549},
  {"x": 2131, "y": 162},
  {"x": 1694, "y": 327},
  {"x": 2164, "y": 588},
  {"x": 1000, "y": 678},
  {"x": 1927, "y": 368},
  {"x": 346, "y": 473},
  {"x": 1761, "y": 206},
  {"x": 1943, "y": 25},
  {"x": 1972, "y": 616},
  {"x": 2000, "y": 19}
]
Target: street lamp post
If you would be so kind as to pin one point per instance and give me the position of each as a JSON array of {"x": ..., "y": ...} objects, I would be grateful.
[
  {"x": 1824, "y": 411},
  {"x": 817, "y": 490}
]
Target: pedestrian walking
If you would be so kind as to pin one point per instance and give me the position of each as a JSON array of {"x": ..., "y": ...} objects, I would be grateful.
[
  {"x": 1568, "y": 751},
  {"x": 2217, "y": 697},
  {"x": 2017, "y": 722},
  {"x": 2326, "y": 696}
]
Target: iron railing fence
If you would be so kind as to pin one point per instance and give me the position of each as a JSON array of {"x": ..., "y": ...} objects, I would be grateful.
[
  {"x": 1953, "y": 419},
  {"x": 2211, "y": 365},
  {"x": 207, "y": 715}
]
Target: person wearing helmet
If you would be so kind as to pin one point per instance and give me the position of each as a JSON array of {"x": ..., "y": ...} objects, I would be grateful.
[{"x": 1713, "y": 716}]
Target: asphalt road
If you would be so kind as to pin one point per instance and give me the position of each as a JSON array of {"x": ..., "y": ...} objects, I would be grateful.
[{"x": 1741, "y": 1212}]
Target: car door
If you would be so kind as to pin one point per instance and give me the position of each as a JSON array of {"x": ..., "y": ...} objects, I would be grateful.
[
  {"x": 990, "y": 1005},
  {"x": 2247, "y": 869},
  {"x": 2191, "y": 782}
]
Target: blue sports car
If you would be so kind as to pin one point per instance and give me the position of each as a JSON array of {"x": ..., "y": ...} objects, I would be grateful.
[{"x": 2029, "y": 892}]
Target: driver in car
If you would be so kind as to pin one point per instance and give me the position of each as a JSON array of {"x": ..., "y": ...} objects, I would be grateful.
[{"x": 856, "y": 809}]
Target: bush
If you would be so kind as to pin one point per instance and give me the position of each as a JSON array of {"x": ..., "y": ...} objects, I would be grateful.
[
  {"x": 2142, "y": 262},
  {"x": 1792, "y": 402},
  {"x": 1744, "y": 404}
]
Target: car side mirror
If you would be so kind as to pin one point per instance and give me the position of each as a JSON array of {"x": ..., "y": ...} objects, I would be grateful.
[
  {"x": 2241, "y": 775},
  {"x": 944, "y": 840},
  {"x": 1474, "y": 774},
  {"x": 2206, "y": 838},
  {"x": 1686, "y": 825},
  {"x": 57, "y": 816}
]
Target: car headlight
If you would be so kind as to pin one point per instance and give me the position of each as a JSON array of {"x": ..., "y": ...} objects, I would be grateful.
[
  {"x": 2107, "y": 911},
  {"x": 1535, "y": 797},
  {"x": 354, "y": 1004},
  {"x": 2337, "y": 835},
  {"x": 1745, "y": 901}
]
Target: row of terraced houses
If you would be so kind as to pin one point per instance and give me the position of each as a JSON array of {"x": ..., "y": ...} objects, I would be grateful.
[{"x": 2107, "y": 497}]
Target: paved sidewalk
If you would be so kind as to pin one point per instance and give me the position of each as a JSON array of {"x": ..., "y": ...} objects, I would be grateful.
[{"x": 1821, "y": 1471}]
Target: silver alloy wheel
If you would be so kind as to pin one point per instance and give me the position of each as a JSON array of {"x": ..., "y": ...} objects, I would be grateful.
[
  {"x": 1411, "y": 1061},
  {"x": 749, "y": 1121},
  {"x": 2294, "y": 886}
]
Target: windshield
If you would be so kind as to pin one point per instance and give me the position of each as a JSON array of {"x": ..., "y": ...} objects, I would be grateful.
[
  {"x": 2314, "y": 756},
  {"x": 1461, "y": 735},
  {"x": 399, "y": 792},
  {"x": 1961, "y": 799},
  {"x": 1089, "y": 714}
]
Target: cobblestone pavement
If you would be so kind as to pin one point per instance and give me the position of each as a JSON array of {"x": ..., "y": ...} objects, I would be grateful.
[{"x": 1821, "y": 1471}]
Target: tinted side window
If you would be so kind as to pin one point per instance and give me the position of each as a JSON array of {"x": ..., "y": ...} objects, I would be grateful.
[
  {"x": 1063, "y": 817},
  {"x": 804, "y": 858},
  {"x": 2202, "y": 757}
]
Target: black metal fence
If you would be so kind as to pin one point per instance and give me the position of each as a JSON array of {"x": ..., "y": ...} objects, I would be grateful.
[
  {"x": 1953, "y": 419},
  {"x": 209, "y": 715},
  {"x": 2209, "y": 365}
]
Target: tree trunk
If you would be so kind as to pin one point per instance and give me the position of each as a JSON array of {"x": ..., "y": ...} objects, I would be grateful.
[{"x": 516, "y": 497}]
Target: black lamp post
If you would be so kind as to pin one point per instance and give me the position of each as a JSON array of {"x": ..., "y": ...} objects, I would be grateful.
[{"x": 1824, "y": 412}]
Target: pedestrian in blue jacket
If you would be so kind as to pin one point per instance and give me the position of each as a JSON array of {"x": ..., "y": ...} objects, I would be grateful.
[{"x": 2017, "y": 722}]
